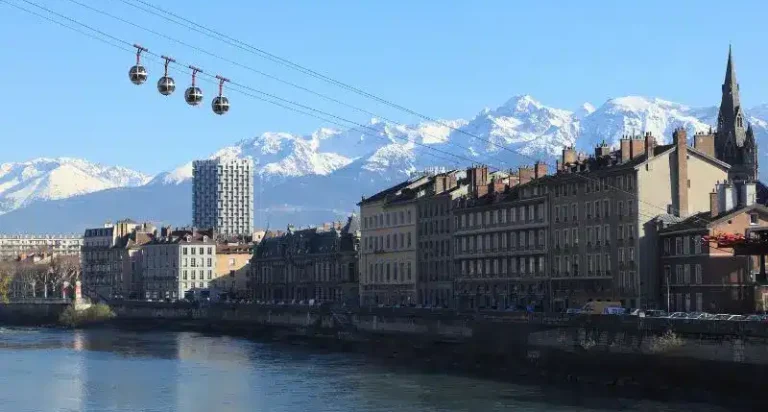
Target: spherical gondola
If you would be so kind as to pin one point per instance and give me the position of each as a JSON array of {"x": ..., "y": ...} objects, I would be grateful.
[
  {"x": 138, "y": 73},
  {"x": 193, "y": 95},
  {"x": 166, "y": 85},
  {"x": 220, "y": 105}
]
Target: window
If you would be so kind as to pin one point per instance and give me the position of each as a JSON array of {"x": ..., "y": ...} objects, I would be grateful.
[
  {"x": 666, "y": 246},
  {"x": 686, "y": 245},
  {"x": 754, "y": 219},
  {"x": 667, "y": 274},
  {"x": 679, "y": 274},
  {"x": 678, "y": 246},
  {"x": 607, "y": 233},
  {"x": 621, "y": 255},
  {"x": 621, "y": 208},
  {"x": 699, "y": 302},
  {"x": 698, "y": 274},
  {"x": 606, "y": 208},
  {"x": 697, "y": 244}
]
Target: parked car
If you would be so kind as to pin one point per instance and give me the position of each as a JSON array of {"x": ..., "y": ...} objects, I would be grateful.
[
  {"x": 654, "y": 313},
  {"x": 573, "y": 311},
  {"x": 722, "y": 316},
  {"x": 755, "y": 318}
]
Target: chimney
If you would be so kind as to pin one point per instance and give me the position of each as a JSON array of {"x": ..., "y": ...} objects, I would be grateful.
[
  {"x": 569, "y": 156},
  {"x": 650, "y": 144},
  {"x": 540, "y": 170},
  {"x": 499, "y": 185},
  {"x": 705, "y": 143},
  {"x": 625, "y": 143},
  {"x": 602, "y": 150},
  {"x": 713, "y": 204},
  {"x": 558, "y": 166},
  {"x": 726, "y": 197},
  {"x": 747, "y": 194},
  {"x": 478, "y": 180},
  {"x": 680, "y": 138},
  {"x": 513, "y": 180},
  {"x": 439, "y": 184},
  {"x": 636, "y": 147},
  {"x": 525, "y": 174}
]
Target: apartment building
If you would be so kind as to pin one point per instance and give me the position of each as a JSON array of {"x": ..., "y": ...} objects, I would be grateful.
[
  {"x": 700, "y": 274},
  {"x": 500, "y": 240},
  {"x": 222, "y": 195},
  {"x": 13, "y": 246},
  {"x": 233, "y": 267},
  {"x": 434, "y": 238},
  {"x": 603, "y": 238},
  {"x": 177, "y": 262},
  {"x": 110, "y": 260},
  {"x": 303, "y": 265},
  {"x": 389, "y": 272}
]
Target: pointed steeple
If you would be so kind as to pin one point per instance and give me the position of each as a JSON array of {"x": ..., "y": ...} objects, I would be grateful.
[{"x": 730, "y": 71}]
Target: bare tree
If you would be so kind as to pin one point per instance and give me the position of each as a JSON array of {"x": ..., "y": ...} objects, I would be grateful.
[
  {"x": 63, "y": 271},
  {"x": 7, "y": 274}
]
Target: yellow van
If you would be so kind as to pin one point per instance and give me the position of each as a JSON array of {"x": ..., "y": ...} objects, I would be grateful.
[{"x": 599, "y": 308}]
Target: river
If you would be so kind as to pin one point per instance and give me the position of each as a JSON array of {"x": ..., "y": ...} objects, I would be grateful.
[{"x": 116, "y": 370}]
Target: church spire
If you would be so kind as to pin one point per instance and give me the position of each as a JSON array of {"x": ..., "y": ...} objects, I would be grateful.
[{"x": 731, "y": 100}]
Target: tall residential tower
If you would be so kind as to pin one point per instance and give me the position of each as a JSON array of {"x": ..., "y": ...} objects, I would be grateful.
[{"x": 222, "y": 196}]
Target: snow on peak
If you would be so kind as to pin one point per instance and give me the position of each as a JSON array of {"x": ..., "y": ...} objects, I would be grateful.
[{"x": 43, "y": 178}]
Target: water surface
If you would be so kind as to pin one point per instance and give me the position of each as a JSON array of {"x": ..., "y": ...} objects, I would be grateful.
[{"x": 117, "y": 370}]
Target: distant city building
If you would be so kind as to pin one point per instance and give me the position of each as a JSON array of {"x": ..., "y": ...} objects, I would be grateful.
[
  {"x": 233, "y": 266},
  {"x": 434, "y": 238},
  {"x": 501, "y": 240},
  {"x": 13, "y": 246},
  {"x": 702, "y": 276},
  {"x": 222, "y": 196},
  {"x": 110, "y": 260},
  {"x": 176, "y": 262},
  {"x": 389, "y": 256},
  {"x": 319, "y": 264}
]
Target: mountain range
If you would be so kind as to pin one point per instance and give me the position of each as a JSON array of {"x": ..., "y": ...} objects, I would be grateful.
[{"x": 309, "y": 179}]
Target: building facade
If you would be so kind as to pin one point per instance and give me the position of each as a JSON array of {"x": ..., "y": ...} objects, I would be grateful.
[
  {"x": 500, "y": 241},
  {"x": 603, "y": 238},
  {"x": 700, "y": 275},
  {"x": 12, "y": 246},
  {"x": 233, "y": 267},
  {"x": 434, "y": 239},
  {"x": 222, "y": 196},
  {"x": 389, "y": 259},
  {"x": 178, "y": 262},
  {"x": 308, "y": 265},
  {"x": 109, "y": 259}
]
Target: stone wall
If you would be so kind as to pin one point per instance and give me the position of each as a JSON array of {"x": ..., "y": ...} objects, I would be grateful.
[{"x": 31, "y": 313}]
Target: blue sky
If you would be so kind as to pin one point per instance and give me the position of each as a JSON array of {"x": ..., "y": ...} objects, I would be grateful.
[{"x": 68, "y": 95}]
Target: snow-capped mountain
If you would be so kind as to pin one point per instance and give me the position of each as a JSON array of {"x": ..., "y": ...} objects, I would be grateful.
[
  {"x": 306, "y": 179},
  {"x": 46, "y": 179}
]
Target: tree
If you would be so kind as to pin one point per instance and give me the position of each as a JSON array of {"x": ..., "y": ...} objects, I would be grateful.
[
  {"x": 7, "y": 273},
  {"x": 63, "y": 270}
]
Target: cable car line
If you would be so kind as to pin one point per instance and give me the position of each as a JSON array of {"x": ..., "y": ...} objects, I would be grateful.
[
  {"x": 120, "y": 47},
  {"x": 273, "y": 77},
  {"x": 665, "y": 209},
  {"x": 191, "y": 25}
]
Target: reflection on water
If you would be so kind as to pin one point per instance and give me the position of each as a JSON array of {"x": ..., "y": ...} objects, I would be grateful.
[{"x": 110, "y": 370}]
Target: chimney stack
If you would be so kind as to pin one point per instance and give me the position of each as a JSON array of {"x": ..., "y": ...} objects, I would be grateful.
[
  {"x": 569, "y": 156},
  {"x": 499, "y": 185},
  {"x": 525, "y": 174},
  {"x": 650, "y": 144},
  {"x": 680, "y": 138},
  {"x": 624, "y": 148},
  {"x": 636, "y": 147},
  {"x": 602, "y": 150},
  {"x": 705, "y": 143},
  {"x": 713, "y": 204},
  {"x": 540, "y": 170},
  {"x": 478, "y": 180}
]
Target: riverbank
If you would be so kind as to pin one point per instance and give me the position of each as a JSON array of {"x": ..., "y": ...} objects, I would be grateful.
[
  {"x": 591, "y": 377},
  {"x": 644, "y": 357}
]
